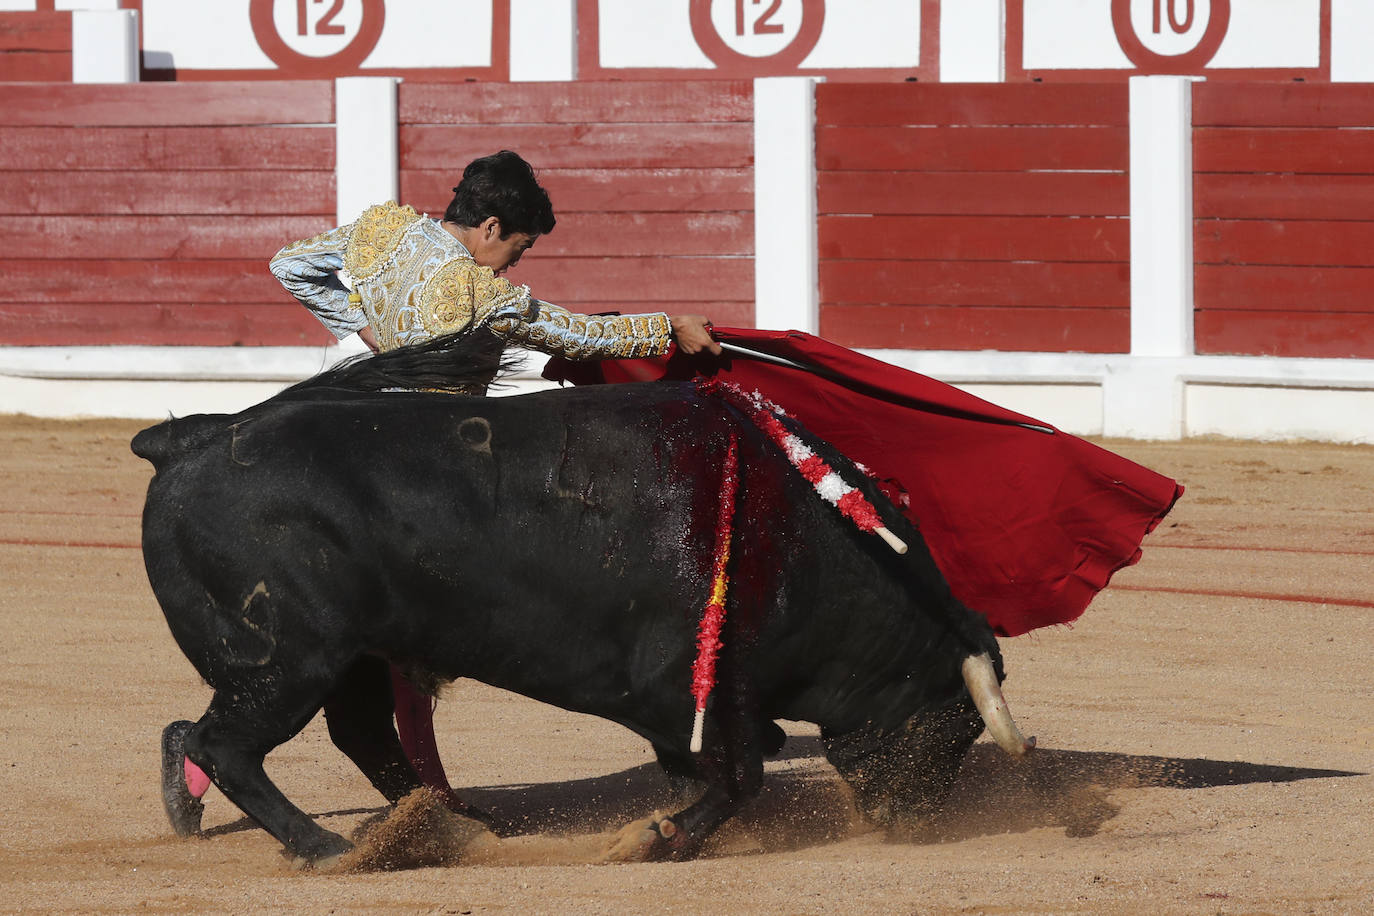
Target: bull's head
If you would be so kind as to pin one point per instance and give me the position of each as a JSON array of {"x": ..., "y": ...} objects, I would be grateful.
[{"x": 901, "y": 777}]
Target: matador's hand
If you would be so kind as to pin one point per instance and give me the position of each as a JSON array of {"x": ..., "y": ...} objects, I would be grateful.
[
  {"x": 693, "y": 334},
  {"x": 369, "y": 337}
]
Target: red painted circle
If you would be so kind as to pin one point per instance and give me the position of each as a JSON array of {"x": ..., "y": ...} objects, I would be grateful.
[
  {"x": 733, "y": 63},
  {"x": 1192, "y": 61},
  {"x": 294, "y": 63}
]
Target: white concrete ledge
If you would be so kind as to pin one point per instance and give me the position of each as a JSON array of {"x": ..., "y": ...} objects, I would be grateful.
[
  {"x": 1134, "y": 397},
  {"x": 154, "y": 382},
  {"x": 238, "y": 364},
  {"x": 1088, "y": 394},
  {"x": 1001, "y": 366}
]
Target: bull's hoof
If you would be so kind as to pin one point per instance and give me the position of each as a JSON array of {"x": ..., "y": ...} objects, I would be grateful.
[
  {"x": 450, "y": 800},
  {"x": 646, "y": 840},
  {"x": 183, "y": 809},
  {"x": 325, "y": 854},
  {"x": 772, "y": 737},
  {"x": 420, "y": 832}
]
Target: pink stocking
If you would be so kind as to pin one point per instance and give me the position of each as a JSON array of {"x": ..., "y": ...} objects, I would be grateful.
[
  {"x": 415, "y": 725},
  {"x": 196, "y": 780}
]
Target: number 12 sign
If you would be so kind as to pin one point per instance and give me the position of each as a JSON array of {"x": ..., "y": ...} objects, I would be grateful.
[
  {"x": 317, "y": 37},
  {"x": 752, "y": 37},
  {"x": 734, "y": 39}
]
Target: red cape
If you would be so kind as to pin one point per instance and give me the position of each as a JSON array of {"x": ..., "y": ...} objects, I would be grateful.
[{"x": 1027, "y": 523}]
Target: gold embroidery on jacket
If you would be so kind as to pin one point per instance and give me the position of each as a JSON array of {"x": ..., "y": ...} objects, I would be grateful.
[
  {"x": 373, "y": 240},
  {"x": 462, "y": 292},
  {"x": 555, "y": 329}
]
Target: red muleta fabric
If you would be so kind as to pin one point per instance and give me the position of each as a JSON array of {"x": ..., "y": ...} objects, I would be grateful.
[{"x": 1027, "y": 523}]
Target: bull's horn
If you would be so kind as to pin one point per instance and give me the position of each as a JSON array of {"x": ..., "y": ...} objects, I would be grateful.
[{"x": 992, "y": 706}]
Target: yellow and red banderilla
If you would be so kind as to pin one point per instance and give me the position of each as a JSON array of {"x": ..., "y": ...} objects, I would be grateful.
[{"x": 713, "y": 617}]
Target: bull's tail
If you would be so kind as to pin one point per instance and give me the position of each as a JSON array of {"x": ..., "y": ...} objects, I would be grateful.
[
  {"x": 463, "y": 362},
  {"x": 177, "y": 436}
]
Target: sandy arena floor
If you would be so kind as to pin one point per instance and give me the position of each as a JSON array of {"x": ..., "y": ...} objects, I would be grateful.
[{"x": 1205, "y": 736}]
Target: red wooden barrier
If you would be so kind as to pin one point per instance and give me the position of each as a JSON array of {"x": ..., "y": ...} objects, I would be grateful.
[
  {"x": 146, "y": 214},
  {"x": 652, "y": 184},
  {"x": 36, "y": 47},
  {"x": 1284, "y": 216},
  {"x": 974, "y": 217}
]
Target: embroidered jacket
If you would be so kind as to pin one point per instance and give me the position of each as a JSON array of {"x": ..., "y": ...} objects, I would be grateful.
[{"x": 413, "y": 281}]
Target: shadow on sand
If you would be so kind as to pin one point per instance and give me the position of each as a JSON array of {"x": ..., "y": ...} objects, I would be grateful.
[{"x": 805, "y": 803}]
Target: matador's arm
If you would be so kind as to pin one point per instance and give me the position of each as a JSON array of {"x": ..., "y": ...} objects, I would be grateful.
[
  {"x": 465, "y": 294},
  {"x": 309, "y": 270},
  {"x": 554, "y": 330}
]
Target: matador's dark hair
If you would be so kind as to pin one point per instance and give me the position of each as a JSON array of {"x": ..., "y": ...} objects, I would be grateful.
[{"x": 502, "y": 185}]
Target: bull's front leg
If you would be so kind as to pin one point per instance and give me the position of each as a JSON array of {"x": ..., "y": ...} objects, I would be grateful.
[{"x": 731, "y": 765}]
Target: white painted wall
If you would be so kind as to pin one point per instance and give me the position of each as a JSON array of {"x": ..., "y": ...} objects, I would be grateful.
[
  {"x": 869, "y": 33},
  {"x": 633, "y": 33},
  {"x": 1070, "y": 34},
  {"x": 972, "y": 41},
  {"x": 1334, "y": 414},
  {"x": 1271, "y": 33},
  {"x": 21, "y": 6},
  {"x": 1079, "y": 34},
  {"x": 105, "y": 46},
  {"x": 434, "y": 33},
  {"x": 543, "y": 40},
  {"x": 1352, "y": 41},
  {"x": 218, "y": 34},
  {"x": 201, "y": 35},
  {"x": 856, "y": 33}
]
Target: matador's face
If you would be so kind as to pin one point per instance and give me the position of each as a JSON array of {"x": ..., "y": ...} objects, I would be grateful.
[
  {"x": 505, "y": 253},
  {"x": 488, "y": 248}
]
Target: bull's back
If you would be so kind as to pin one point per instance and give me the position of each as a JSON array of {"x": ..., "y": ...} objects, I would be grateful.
[
  {"x": 565, "y": 538},
  {"x": 525, "y": 541},
  {"x": 556, "y": 544}
]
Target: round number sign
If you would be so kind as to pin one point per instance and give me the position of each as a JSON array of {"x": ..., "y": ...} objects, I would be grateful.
[
  {"x": 1171, "y": 36},
  {"x": 752, "y": 37},
  {"x": 317, "y": 37}
]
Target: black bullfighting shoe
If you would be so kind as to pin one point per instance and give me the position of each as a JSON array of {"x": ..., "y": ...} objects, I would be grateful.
[{"x": 183, "y": 809}]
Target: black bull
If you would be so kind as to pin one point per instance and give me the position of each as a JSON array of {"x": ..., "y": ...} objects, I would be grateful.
[{"x": 558, "y": 545}]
